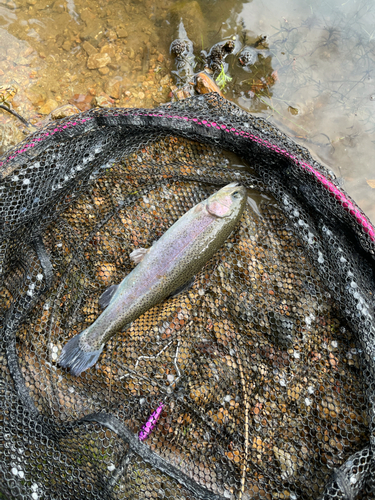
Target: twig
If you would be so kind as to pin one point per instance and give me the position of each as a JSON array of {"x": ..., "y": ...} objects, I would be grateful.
[
  {"x": 175, "y": 362},
  {"x": 153, "y": 357},
  {"x": 25, "y": 122}
]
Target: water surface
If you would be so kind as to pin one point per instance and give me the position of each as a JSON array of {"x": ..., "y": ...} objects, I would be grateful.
[{"x": 313, "y": 75}]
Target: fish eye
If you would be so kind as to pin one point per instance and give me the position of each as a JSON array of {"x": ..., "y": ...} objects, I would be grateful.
[{"x": 236, "y": 194}]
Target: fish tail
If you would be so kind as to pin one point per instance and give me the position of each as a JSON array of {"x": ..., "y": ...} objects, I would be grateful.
[{"x": 73, "y": 356}]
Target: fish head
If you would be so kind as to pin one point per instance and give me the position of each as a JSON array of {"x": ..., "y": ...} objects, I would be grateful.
[{"x": 228, "y": 201}]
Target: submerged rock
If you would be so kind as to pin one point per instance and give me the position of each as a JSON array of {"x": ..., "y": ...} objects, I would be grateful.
[
  {"x": 64, "y": 111},
  {"x": 98, "y": 60},
  {"x": 114, "y": 87},
  {"x": 48, "y": 106}
]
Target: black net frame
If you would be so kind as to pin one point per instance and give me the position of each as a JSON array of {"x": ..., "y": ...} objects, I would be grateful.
[{"x": 42, "y": 178}]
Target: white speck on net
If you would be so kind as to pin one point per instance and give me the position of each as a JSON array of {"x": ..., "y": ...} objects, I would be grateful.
[
  {"x": 34, "y": 487},
  {"x": 308, "y": 401},
  {"x": 14, "y": 471},
  {"x": 311, "y": 389},
  {"x": 309, "y": 319},
  {"x": 227, "y": 398},
  {"x": 296, "y": 354},
  {"x": 34, "y": 496},
  {"x": 311, "y": 238},
  {"x": 39, "y": 277},
  {"x": 170, "y": 378},
  {"x": 111, "y": 467},
  {"x": 334, "y": 343}
]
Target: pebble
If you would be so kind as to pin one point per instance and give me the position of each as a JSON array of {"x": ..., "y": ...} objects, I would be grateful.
[
  {"x": 36, "y": 97},
  {"x": 102, "y": 101},
  {"x": 114, "y": 87},
  {"x": 48, "y": 106},
  {"x": 108, "y": 49},
  {"x": 82, "y": 101},
  {"x": 90, "y": 49},
  {"x": 98, "y": 60},
  {"x": 64, "y": 111},
  {"x": 121, "y": 32}
]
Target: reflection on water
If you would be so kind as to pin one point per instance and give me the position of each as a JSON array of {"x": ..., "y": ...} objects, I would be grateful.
[{"x": 308, "y": 68}]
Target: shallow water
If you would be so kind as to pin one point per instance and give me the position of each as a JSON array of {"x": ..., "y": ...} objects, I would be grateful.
[{"x": 313, "y": 76}]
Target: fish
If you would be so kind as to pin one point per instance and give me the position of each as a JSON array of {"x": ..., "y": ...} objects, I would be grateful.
[{"x": 163, "y": 270}]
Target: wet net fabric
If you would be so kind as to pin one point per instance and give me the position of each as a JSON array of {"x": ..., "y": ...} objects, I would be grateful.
[{"x": 262, "y": 373}]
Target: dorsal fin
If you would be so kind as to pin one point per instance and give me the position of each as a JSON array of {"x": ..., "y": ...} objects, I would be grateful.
[{"x": 138, "y": 254}]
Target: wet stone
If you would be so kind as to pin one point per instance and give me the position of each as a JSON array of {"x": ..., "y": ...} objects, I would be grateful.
[
  {"x": 121, "y": 32},
  {"x": 88, "y": 48},
  {"x": 96, "y": 61},
  {"x": 205, "y": 84},
  {"x": 48, "y": 106},
  {"x": 108, "y": 49},
  {"x": 64, "y": 111},
  {"x": 67, "y": 45},
  {"x": 102, "y": 101},
  {"x": 114, "y": 87},
  {"x": 82, "y": 101},
  {"x": 37, "y": 97}
]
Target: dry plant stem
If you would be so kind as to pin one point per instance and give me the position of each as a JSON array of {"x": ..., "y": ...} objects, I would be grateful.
[{"x": 246, "y": 403}]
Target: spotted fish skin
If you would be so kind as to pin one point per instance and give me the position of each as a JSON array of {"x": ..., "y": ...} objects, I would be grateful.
[{"x": 171, "y": 261}]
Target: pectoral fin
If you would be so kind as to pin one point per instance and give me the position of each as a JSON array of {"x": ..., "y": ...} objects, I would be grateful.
[
  {"x": 106, "y": 296},
  {"x": 183, "y": 288}
]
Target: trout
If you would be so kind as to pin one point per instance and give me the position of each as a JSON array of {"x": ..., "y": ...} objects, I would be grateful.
[{"x": 164, "y": 269}]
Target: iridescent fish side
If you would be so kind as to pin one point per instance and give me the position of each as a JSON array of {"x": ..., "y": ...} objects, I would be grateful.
[{"x": 163, "y": 269}]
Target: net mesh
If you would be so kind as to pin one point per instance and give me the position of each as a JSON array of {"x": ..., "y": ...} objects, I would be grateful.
[{"x": 257, "y": 382}]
